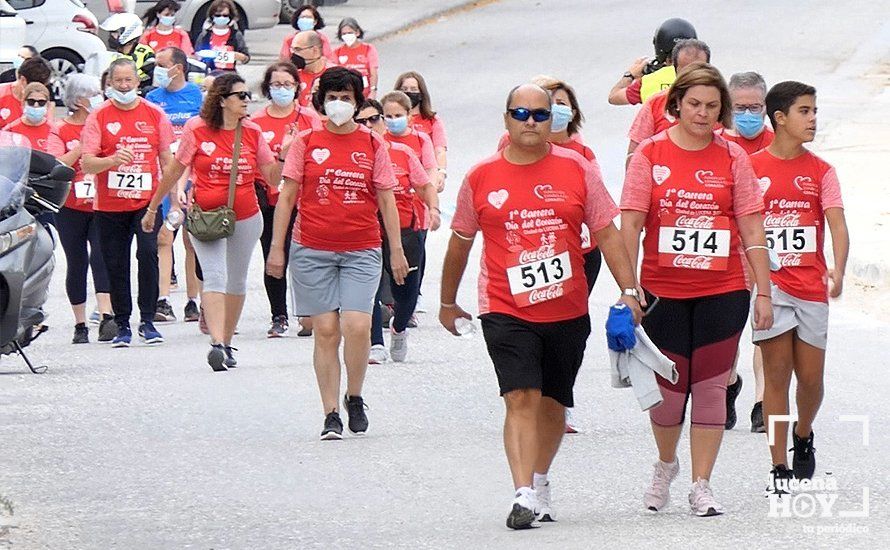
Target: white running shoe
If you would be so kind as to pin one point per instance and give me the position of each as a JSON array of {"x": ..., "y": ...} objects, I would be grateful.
[
  {"x": 398, "y": 346},
  {"x": 544, "y": 509},
  {"x": 658, "y": 494},
  {"x": 702, "y": 500},
  {"x": 378, "y": 355},
  {"x": 420, "y": 307},
  {"x": 522, "y": 511}
]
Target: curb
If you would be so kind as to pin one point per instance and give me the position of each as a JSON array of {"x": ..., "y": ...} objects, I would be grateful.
[{"x": 429, "y": 18}]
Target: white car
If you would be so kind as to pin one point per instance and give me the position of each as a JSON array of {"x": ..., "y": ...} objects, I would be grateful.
[
  {"x": 13, "y": 30},
  {"x": 63, "y": 31}
]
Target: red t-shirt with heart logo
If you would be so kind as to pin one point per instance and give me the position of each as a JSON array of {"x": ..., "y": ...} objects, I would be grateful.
[
  {"x": 274, "y": 130},
  {"x": 209, "y": 153},
  {"x": 37, "y": 135},
  {"x": 691, "y": 200},
  {"x": 411, "y": 175},
  {"x": 146, "y": 131},
  {"x": 651, "y": 119},
  {"x": 796, "y": 193},
  {"x": 530, "y": 217},
  {"x": 339, "y": 176},
  {"x": 64, "y": 138},
  {"x": 362, "y": 57},
  {"x": 174, "y": 38}
]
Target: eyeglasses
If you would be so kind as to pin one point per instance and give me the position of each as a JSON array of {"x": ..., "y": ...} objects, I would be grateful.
[
  {"x": 36, "y": 102},
  {"x": 754, "y": 108},
  {"x": 522, "y": 114},
  {"x": 373, "y": 119},
  {"x": 279, "y": 85},
  {"x": 243, "y": 96},
  {"x": 296, "y": 49}
]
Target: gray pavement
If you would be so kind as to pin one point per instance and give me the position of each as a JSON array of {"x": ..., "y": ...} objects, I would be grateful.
[{"x": 147, "y": 448}]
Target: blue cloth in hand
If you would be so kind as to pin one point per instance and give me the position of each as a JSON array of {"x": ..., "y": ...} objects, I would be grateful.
[{"x": 620, "y": 334}]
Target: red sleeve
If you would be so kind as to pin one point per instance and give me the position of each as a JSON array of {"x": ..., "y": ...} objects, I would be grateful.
[
  {"x": 284, "y": 54},
  {"x": 91, "y": 136},
  {"x": 417, "y": 174},
  {"x": 185, "y": 42},
  {"x": 643, "y": 125},
  {"x": 264, "y": 153},
  {"x": 637, "y": 192},
  {"x": 831, "y": 190},
  {"x": 438, "y": 133},
  {"x": 54, "y": 144},
  {"x": 373, "y": 58},
  {"x": 599, "y": 208},
  {"x": 188, "y": 145},
  {"x": 465, "y": 220},
  {"x": 504, "y": 141},
  {"x": 294, "y": 163},
  {"x": 632, "y": 92},
  {"x": 427, "y": 153},
  {"x": 146, "y": 36},
  {"x": 383, "y": 176},
  {"x": 746, "y": 196}
]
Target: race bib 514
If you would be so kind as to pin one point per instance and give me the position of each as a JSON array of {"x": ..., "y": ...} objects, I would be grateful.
[{"x": 694, "y": 242}]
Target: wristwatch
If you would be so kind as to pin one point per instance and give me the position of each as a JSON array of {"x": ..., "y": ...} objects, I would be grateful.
[
  {"x": 632, "y": 292},
  {"x": 628, "y": 75}
]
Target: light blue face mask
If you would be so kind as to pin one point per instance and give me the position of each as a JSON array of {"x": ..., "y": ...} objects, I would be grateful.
[
  {"x": 221, "y": 21},
  {"x": 748, "y": 125},
  {"x": 305, "y": 23},
  {"x": 162, "y": 77},
  {"x": 167, "y": 20},
  {"x": 96, "y": 100},
  {"x": 560, "y": 115},
  {"x": 17, "y": 62},
  {"x": 124, "y": 98},
  {"x": 396, "y": 126},
  {"x": 35, "y": 114},
  {"x": 282, "y": 96}
]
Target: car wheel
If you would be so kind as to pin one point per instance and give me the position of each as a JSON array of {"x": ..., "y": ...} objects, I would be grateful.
[{"x": 63, "y": 63}]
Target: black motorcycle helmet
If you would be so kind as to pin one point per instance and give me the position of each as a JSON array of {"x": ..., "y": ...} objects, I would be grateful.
[{"x": 667, "y": 35}]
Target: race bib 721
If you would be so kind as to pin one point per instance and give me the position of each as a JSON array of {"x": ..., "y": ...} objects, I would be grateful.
[{"x": 126, "y": 181}]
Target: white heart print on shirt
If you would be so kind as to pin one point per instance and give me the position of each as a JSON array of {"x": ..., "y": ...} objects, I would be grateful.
[
  {"x": 208, "y": 147},
  {"x": 343, "y": 59},
  {"x": 764, "y": 182},
  {"x": 71, "y": 145},
  {"x": 4, "y": 113},
  {"x": 498, "y": 198},
  {"x": 268, "y": 136},
  {"x": 660, "y": 173},
  {"x": 320, "y": 155},
  {"x": 113, "y": 127}
]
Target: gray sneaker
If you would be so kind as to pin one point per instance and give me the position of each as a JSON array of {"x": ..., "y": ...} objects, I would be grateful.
[
  {"x": 164, "y": 312},
  {"x": 398, "y": 346},
  {"x": 216, "y": 357},
  {"x": 659, "y": 492},
  {"x": 702, "y": 501},
  {"x": 107, "y": 328}
]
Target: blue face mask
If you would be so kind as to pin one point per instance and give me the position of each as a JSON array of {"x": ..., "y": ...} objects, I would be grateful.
[
  {"x": 282, "y": 96},
  {"x": 305, "y": 23},
  {"x": 162, "y": 77},
  {"x": 35, "y": 114},
  {"x": 17, "y": 62},
  {"x": 396, "y": 126},
  {"x": 167, "y": 20},
  {"x": 221, "y": 21},
  {"x": 561, "y": 115},
  {"x": 747, "y": 125},
  {"x": 96, "y": 100},
  {"x": 124, "y": 98}
]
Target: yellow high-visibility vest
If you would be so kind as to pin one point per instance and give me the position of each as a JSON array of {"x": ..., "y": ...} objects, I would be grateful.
[{"x": 653, "y": 83}]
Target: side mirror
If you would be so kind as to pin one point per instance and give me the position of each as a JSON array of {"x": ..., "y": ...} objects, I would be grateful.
[{"x": 60, "y": 172}]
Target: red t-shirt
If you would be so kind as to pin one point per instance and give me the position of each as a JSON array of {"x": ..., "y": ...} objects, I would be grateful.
[
  {"x": 225, "y": 52},
  {"x": 422, "y": 146},
  {"x": 410, "y": 175},
  {"x": 146, "y": 130},
  {"x": 432, "y": 127},
  {"x": 362, "y": 57},
  {"x": 37, "y": 135},
  {"x": 326, "y": 51},
  {"x": 63, "y": 138},
  {"x": 692, "y": 199},
  {"x": 750, "y": 146},
  {"x": 174, "y": 38},
  {"x": 10, "y": 106},
  {"x": 307, "y": 81},
  {"x": 339, "y": 176},
  {"x": 651, "y": 119},
  {"x": 530, "y": 217},
  {"x": 796, "y": 193},
  {"x": 209, "y": 153},
  {"x": 274, "y": 130}
]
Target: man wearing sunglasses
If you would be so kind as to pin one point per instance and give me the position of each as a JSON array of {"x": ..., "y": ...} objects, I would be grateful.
[
  {"x": 125, "y": 142},
  {"x": 529, "y": 202}
]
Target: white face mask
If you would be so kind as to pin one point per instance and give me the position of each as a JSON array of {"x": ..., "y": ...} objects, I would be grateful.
[
  {"x": 339, "y": 112},
  {"x": 349, "y": 38}
]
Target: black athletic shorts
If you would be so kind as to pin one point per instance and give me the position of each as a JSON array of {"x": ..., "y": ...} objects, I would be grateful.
[{"x": 544, "y": 356}]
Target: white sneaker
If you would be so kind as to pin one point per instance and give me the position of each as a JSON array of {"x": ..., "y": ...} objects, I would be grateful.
[
  {"x": 398, "y": 346},
  {"x": 378, "y": 355},
  {"x": 420, "y": 307},
  {"x": 702, "y": 500},
  {"x": 544, "y": 510},
  {"x": 522, "y": 512},
  {"x": 659, "y": 492}
]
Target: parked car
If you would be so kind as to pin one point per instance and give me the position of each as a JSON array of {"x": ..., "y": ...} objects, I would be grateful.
[
  {"x": 14, "y": 33},
  {"x": 63, "y": 31}
]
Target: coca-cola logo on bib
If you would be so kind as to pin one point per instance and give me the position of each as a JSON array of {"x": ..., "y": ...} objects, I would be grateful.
[
  {"x": 529, "y": 256},
  {"x": 692, "y": 262},
  {"x": 792, "y": 259},
  {"x": 696, "y": 222},
  {"x": 787, "y": 219},
  {"x": 545, "y": 294}
]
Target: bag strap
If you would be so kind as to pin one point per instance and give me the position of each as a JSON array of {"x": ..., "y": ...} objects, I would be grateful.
[{"x": 233, "y": 175}]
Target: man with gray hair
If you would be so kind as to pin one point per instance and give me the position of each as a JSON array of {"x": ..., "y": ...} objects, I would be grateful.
[
  {"x": 125, "y": 142},
  {"x": 748, "y": 93}
]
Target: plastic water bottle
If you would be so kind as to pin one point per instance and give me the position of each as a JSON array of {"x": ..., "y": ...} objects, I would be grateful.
[
  {"x": 465, "y": 327},
  {"x": 173, "y": 219}
]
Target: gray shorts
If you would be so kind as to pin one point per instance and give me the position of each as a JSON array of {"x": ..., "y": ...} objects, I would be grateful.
[
  {"x": 809, "y": 318},
  {"x": 324, "y": 281}
]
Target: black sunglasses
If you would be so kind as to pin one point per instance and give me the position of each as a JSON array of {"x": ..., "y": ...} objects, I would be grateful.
[
  {"x": 373, "y": 119},
  {"x": 522, "y": 114},
  {"x": 36, "y": 102},
  {"x": 243, "y": 96}
]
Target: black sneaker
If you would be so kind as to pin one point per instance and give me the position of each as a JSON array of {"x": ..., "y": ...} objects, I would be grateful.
[
  {"x": 164, "y": 312},
  {"x": 804, "y": 460},
  {"x": 216, "y": 357},
  {"x": 732, "y": 393},
  {"x": 107, "y": 328},
  {"x": 779, "y": 481},
  {"x": 191, "y": 312},
  {"x": 278, "y": 328},
  {"x": 230, "y": 360},
  {"x": 358, "y": 420},
  {"x": 333, "y": 427},
  {"x": 81, "y": 334},
  {"x": 757, "y": 418}
]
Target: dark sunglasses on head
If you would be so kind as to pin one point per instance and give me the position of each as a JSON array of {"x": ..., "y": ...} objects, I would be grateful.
[
  {"x": 243, "y": 96},
  {"x": 36, "y": 102},
  {"x": 522, "y": 114},
  {"x": 373, "y": 119}
]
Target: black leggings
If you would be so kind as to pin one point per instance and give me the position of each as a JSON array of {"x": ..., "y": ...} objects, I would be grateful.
[
  {"x": 593, "y": 260},
  {"x": 76, "y": 229},
  {"x": 276, "y": 289}
]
